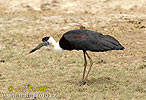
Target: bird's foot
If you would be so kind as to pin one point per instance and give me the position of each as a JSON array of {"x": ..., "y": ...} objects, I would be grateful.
[{"x": 83, "y": 83}]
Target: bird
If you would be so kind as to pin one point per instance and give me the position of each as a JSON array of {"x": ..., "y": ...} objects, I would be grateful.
[{"x": 81, "y": 39}]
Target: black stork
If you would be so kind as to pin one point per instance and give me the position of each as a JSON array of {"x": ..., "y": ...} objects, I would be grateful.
[{"x": 85, "y": 40}]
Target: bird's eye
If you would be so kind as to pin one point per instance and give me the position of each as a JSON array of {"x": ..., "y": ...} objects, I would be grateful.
[{"x": 45, "y": 43}]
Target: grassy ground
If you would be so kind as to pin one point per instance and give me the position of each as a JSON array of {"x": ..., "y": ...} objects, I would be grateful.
[{"x": 116, "y": 75}]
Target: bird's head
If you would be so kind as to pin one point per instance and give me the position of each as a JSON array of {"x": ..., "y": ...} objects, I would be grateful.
[{"x": 45, "y": 42}]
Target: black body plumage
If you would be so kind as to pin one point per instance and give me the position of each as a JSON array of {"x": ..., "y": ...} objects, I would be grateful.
[{"x": 82, "y": 39}]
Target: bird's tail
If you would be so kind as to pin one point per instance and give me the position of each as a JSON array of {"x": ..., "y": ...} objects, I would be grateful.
[
  {"x": 113, "y": 43},
  {"x": 120, "y": 47}
]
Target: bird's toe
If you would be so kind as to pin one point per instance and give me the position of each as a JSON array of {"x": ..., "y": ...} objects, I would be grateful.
[{"x": 83, "y": 83}]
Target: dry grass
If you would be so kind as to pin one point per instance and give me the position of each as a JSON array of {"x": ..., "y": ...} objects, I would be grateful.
[{"x": 116, "y": 75}]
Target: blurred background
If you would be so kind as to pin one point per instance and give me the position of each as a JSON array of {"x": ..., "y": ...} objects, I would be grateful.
[{"x": 74, "y": 6}]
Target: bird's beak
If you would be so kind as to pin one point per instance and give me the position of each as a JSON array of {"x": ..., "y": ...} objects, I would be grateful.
[{"x": 36, "y": 48}]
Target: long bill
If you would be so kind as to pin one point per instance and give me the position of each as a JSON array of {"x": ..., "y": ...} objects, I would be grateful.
[{"x": 36, "y": 48}]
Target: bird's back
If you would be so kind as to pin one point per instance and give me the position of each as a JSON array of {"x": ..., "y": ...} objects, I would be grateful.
[{"x": 88, "y": 40}]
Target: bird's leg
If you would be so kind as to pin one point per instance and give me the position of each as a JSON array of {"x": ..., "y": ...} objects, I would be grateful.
[
  {"x": 91, "y": 63},
  {"x": 85, "y": 64}
]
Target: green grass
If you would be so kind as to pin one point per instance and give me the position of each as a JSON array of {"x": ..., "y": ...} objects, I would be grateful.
[{"x": 121, "y": 75}]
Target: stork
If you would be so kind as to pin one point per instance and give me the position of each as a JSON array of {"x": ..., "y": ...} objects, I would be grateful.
[{"x": 82, "y": 39}]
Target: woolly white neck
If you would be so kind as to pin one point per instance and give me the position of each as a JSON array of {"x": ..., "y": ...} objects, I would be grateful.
[{"x": 54, "y": 45}]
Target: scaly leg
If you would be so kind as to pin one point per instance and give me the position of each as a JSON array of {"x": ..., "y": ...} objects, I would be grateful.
[
  {"x": 85, "y": 64},
  {"x": 91, "y": 63}
]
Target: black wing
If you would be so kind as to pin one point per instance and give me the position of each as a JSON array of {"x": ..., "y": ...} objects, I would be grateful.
[{"x": 88, "y": 40}]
